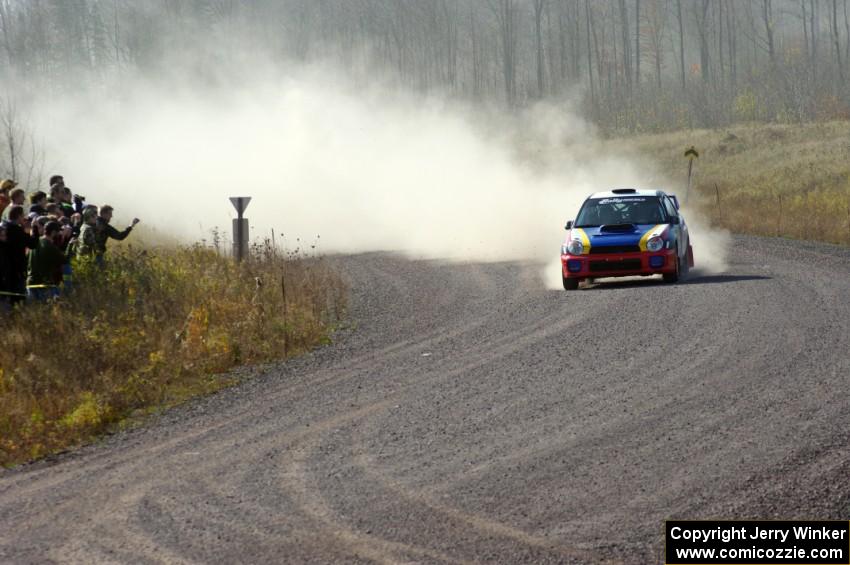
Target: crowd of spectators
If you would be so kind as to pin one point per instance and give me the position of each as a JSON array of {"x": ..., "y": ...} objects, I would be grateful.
[{"x": 41, "y": 241}]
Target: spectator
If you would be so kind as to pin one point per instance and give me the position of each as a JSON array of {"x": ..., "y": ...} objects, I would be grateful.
[
  {"x": 66, "y": 197},
  {"x": 39, "y": 223},
  {"x": 46, "y": 262},
  {"x": 67, "y": 209},
  {"x": 77, "y": 223},
  {"x": 5, "y": 186},
  {"x": 104, "y": 231},
  {"x": 38, "y": 201},
  {"x": 66, "y": 234},
  {"x": 57, "y": 185},
  {"x": 17, "y": 196},
  {"x": 79, "y": 201},
  {"x": 53, "y": 209},
  {"x": 64, "y": 241},
  {"x": 5, "y": 272},
  {"x": 62, "y": 195},
  {"x": 18, "y": 240},
  {"x": 87, "y": 240}
]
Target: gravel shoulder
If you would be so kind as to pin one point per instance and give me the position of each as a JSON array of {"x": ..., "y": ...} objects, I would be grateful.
[{"x": 471, "y": 415}]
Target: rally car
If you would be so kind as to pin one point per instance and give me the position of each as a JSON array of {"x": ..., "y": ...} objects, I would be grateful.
[{"x": 626, "y": 232}]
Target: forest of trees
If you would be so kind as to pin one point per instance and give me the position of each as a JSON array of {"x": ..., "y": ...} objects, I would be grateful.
[{"x": 635, "y": 65}]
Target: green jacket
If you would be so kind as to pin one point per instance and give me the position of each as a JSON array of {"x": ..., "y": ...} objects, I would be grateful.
[
  {"x": 45, "y": 264},
  {"x": 87, "y": 240}
]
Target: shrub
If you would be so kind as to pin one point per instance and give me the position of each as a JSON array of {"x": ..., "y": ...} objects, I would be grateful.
[{"x": 151, "y": 328}]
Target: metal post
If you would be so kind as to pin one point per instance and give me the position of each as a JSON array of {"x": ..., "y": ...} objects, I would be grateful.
[
  {"x": 240, "y": 227},
  {"x": 690, "y": 155}
]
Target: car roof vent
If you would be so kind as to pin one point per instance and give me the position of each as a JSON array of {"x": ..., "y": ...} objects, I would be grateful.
[{"x": 624, "y": 191}]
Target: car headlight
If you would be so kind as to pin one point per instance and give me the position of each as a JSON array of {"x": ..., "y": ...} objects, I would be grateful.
[
  {"x": 575, "y": 247},
  {"x": 654, "y": 244}
]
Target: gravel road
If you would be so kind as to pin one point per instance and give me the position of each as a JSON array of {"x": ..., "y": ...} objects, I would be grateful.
[{"x": 471, "y": 415}]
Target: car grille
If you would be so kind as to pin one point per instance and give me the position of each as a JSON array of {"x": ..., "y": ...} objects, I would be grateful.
[
  {"x": 614, "y": 249},
  {"x": 607, "y": 266}
]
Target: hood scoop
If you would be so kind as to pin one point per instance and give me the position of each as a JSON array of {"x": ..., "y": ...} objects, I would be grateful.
[{"x": 617, "y": 228}]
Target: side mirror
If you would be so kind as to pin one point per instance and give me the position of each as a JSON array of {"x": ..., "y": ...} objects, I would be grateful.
[
  {"x": 674, "y": 220},
  {"x": 569, "y": 225}
]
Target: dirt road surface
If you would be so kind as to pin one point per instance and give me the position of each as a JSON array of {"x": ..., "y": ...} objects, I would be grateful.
[{"x": 474, "y": 416}]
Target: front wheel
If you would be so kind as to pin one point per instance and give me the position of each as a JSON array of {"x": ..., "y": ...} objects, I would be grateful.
[
  {"x": 569, "y": 283},
  {"x": 674, "y": 276}
]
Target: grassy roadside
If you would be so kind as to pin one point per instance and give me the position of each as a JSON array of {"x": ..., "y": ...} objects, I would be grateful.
[
  {"x": 774, "y": 180},
  {"x": 152, "y": 328}
]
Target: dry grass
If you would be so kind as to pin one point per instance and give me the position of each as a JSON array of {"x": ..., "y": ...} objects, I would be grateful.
[
  {"x": 150, "y": 329},
  {"x": 790, "y": 181}
]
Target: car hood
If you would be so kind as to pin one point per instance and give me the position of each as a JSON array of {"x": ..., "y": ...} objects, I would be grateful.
[{"x": 599, "y": 237}]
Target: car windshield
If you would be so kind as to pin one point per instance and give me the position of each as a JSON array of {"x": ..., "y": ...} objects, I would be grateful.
[{"x": 620, "y": 210}]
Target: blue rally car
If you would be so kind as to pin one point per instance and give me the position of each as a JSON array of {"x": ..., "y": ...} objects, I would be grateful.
[{"x": 626, "y": 232}]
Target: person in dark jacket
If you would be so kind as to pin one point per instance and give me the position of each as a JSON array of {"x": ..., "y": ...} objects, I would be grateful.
[
  {"x": 104, "y": 231},
  {"x": 46, "y": 261},
  {"x": 76, "y": 223},
  {"x": 5, "y": 201},
  {"x": 63, "y": 200},
  {"x": 68, "y": 202},
  {"x": 5, "y": 273},
  {"x": 38, "y": 201},
  {"x": 56, "y": 184},
  {"x": 18, "y": 240}
]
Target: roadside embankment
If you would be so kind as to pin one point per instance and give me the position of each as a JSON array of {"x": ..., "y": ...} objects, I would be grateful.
[
  {"x": 151, "y": 328},
  {"x": 771, "y": 180}
]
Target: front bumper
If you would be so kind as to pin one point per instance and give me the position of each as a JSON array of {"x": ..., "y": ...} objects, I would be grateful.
[{"x": 619, "y": 264}]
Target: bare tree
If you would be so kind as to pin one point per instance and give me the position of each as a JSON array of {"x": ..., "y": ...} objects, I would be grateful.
[
  {"x": 837, "y": 40},
  {"x": 589, "y": 20},
  {"x": 702, "y": 22},
  {"x": 846, "y": 34},
  {"x": 627, "y": 51},
  {"x": 732, "y": 39},
  {"x": 508, "y": 51},
  {"x": 506, "y": 17},
  {"x": 539, "y": 6},
  {"x": 637, "y": 42},
  {"x": 681, "y": 41},
  {"x": 6, "y": 27},
  {"x": 767, "y": 15},
  {"x": 813, "y": 28},
  {"x": 655, "y": 24},
  {"x": 24, "y": 158}
]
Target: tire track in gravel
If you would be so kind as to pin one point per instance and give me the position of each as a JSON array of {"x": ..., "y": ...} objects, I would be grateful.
[{"x": 539, "y": 426}]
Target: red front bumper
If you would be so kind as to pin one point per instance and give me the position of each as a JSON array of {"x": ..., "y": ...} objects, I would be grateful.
[{"x": 618, "y": 264}]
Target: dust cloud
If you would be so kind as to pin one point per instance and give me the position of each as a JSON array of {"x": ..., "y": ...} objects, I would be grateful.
[
  {"x": 333, "y": 163},
  {"x": 710, "y": 245}
]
